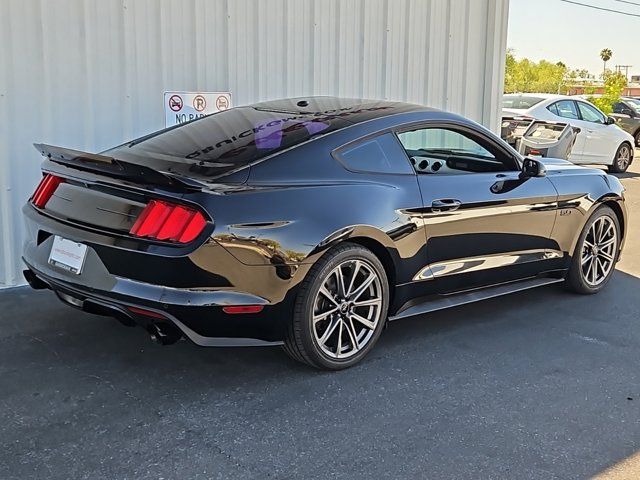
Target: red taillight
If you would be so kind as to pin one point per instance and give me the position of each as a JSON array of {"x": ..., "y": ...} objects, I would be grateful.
[
  {"x": 175, "y": 224},
  {"x": 243, "y": 309},
  {"x": 165, "y": 221},
  {"x": 45, "y": 190},
  {"x": 193, "y": 228}
]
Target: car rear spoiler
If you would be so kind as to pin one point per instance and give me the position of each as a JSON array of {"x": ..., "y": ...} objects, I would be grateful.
[{"x": 113, "y": 167}]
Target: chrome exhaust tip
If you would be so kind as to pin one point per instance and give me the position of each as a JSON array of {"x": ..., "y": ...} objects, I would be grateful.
[{"x": 164, "y": 333}]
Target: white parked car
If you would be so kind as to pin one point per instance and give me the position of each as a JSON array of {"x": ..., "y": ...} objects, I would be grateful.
[{"x": 599, "y": 141}]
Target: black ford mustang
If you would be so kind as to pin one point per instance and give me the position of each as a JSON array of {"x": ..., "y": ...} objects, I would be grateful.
[{"x": 311, "y": 223}]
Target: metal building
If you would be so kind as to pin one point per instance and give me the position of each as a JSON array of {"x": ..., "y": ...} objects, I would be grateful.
[{"x": 89, "y": 74}]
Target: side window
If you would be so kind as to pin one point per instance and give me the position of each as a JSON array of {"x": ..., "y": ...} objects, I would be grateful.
[
  {"x": 590, "y": 113},
  {"x": 553, "y": 108},
  {"x": 449, "y": 152},
  {"x": 618, "y": 107},
  {"x": 566, "y": 109},
  {"x": 381, "y": 154}
]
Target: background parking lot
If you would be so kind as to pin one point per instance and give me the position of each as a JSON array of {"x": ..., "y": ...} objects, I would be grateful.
[{"x": 539, "y": 384}]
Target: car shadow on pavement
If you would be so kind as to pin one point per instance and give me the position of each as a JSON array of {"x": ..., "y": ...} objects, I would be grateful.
[
  {"x": 539, "y": 383},
  {"x": 626, "y": 174},
  {"x": 621, "y": 176}
]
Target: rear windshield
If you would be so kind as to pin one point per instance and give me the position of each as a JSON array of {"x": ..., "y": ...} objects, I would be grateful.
[
  {"x": 218, "y": 144},
  {"x": 520, "y": 102}
]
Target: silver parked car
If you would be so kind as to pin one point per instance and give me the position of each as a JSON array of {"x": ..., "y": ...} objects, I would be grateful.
[{"x": 600, "y": 140}]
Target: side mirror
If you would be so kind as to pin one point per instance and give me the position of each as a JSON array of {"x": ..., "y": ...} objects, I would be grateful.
[
  {"x": 610, "y": 121},
  {"x": 532, "y": 168}
]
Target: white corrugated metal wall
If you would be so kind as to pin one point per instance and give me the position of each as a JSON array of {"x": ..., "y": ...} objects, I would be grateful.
[{"x": 89, "y": 74}]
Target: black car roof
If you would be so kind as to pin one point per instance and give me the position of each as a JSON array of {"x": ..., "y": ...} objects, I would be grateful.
[
  {"x": 354, "y": 110},
  {"x": 224, "y": 142}
]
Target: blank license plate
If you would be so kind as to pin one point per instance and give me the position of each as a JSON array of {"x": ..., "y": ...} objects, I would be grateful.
[{"x": 68, "y": 255}]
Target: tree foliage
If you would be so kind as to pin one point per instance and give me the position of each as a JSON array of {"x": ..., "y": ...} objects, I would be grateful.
[
  {"x": 614, "y": 84},
  {"x": 606, "y": 54},
  {"x": 580, "y": 75},
  {"x": 526, "y": 76}
]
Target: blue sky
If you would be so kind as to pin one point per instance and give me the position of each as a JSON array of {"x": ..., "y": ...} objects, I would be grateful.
[{"x": 555, "y": 30}]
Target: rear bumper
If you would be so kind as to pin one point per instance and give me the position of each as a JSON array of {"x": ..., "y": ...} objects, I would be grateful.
[
  {"x": 187, "y": 291},
  {"x": 117, "y": 306}
]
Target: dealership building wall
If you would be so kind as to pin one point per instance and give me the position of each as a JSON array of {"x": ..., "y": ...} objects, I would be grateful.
[{"x": 90, "y": 74}]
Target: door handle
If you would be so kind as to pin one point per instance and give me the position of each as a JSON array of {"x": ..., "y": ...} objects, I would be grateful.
[{"x": 445, "y": 205}]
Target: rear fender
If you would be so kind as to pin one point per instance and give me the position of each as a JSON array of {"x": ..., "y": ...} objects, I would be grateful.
[
  {"x": 296, "y": 224},
  {"x": 266, "y": 250}
]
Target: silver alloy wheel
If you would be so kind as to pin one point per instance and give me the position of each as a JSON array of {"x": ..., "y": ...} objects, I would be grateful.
[
  {"x": 599, "y": 251},
  {"x": 347, "y": 309},
  {"x": 624, "y": 157}
]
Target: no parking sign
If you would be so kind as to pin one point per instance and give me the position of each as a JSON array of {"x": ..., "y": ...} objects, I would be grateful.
[{"x": 181, "y": 107}]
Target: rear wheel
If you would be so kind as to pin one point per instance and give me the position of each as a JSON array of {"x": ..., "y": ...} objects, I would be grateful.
[
  {"x": 596, "y": 253},
  {"x": 622, "y": 160},
  {"x": 340, "y": 310}
]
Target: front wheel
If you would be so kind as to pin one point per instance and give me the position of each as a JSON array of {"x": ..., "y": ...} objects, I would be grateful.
[
  {"x": 622, "y": 160},
  {"x": 340, "y": 309},
  {"x": 637, "y": 137},
  {"x": 596, "y": 253}
]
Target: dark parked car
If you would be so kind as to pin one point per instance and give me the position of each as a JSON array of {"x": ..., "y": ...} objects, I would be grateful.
[
  {"x": 627, "y": 114},
  {"x": 310, "y": 223}
]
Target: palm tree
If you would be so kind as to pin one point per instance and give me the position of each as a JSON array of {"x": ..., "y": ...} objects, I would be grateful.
[{"x": 605, "y": 55}]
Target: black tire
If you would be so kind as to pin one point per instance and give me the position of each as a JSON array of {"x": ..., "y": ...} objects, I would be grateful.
[
  {"x": 622, "y": 160},
  {"x": 301, "y": 339},
  {"x": 637, "y": 137},
  {"x": 576, "y": 279}
]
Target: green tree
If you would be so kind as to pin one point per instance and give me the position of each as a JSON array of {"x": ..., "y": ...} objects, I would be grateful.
[
  {"x": 580, "y": 75},
  {"x": 527, "y": 76},
  {"x": 605, "y": 55},
  {"x": 614, "y": 85}
]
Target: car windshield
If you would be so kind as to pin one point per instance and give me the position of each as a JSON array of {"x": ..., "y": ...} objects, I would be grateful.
[{"x": 520, "y": 102}]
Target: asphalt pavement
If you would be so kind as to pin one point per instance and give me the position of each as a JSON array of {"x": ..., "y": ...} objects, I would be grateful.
[{"x": 541, "y": 384}]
